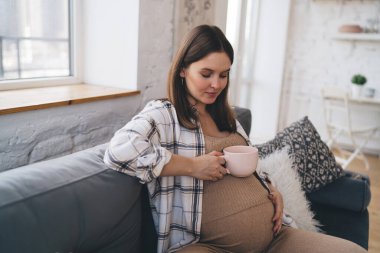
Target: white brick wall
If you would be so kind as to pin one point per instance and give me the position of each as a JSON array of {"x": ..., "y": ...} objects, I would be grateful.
[
  {"x": 29, "y": 137},
  {"x": 314, "y": 59}
]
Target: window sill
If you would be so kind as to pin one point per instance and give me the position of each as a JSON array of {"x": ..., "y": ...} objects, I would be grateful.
[{"x": 13, "y": 101}]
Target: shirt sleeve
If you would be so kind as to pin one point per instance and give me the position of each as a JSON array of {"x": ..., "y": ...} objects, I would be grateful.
[{"x": 138, "y": 149}]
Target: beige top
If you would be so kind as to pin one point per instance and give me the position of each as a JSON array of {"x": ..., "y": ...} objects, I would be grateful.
[
  {"x": 228, "y": 202},
  {"x": 229, "y": 187}
]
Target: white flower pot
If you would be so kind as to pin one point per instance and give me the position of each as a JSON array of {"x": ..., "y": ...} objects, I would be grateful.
[{"x": 356, "y": 90}]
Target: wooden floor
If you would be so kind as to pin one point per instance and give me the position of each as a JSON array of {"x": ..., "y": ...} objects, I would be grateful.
[{"x": 374, "y": 206}]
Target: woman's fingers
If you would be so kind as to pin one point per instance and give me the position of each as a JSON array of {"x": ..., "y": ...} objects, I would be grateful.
[
  {"x": 223, "y": 170},
  {"x": 277, "y": 226},
  {"x": 219, "y": 170},
  {"x": 215, "y": 153},
  {"x": 278, "y": 209},
  {"x": 276, "y": 198}
]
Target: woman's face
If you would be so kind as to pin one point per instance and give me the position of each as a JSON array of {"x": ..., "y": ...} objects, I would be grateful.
[{"x": 206, "y": 78}]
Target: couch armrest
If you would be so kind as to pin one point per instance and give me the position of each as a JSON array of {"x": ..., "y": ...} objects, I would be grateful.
[
  {"x": 351, "y": 192},
  {"x": 71, "y": 203}
]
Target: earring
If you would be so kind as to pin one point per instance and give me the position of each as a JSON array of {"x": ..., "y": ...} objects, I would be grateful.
[{"x": 182, "y": 80}]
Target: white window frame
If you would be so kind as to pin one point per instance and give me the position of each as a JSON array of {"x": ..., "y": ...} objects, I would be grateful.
[{"x": 76, "y": 58}]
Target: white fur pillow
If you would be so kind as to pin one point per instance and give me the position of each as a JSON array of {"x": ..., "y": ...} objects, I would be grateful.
[{"x": 278, "y": 166}]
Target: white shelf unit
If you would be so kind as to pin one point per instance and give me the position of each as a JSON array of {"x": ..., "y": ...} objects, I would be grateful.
[{"x": 357, "y": 36}]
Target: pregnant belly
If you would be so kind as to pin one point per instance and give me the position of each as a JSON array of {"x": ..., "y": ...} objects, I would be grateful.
[
  {"x": 249, "y": 230},
  {"x": 237, "y": 215}
]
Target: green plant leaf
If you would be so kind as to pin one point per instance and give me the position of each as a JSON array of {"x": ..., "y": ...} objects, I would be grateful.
[{"x": 359, "y": 79}]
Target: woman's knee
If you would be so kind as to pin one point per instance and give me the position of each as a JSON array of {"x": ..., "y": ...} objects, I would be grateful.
[
  {"x": 199, "y": 247},
  {"x": 295, "y": 240}
]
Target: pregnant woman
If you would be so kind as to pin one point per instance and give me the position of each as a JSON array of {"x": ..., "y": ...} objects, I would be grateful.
[{"x": 174, "y": 146}]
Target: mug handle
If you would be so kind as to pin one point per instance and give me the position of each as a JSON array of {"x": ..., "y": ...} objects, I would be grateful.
[{"x": 228, "y": 171}]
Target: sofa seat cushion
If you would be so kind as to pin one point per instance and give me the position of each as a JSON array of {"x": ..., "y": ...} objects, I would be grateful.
[{"x": 69, "y": 204}]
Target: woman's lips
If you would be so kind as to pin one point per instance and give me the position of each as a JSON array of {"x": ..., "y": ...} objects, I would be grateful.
[{"x": 212, "y": 94}]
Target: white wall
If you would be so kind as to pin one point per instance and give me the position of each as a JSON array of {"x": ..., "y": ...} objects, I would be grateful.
[
  {"x": 314, "y": 59},
  {"x": 110, "y": 42}
]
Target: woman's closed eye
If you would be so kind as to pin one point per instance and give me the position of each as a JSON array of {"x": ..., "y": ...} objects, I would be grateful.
[
  {"x": 225, "y": 75},
  {"x": 208, "y": 75}
]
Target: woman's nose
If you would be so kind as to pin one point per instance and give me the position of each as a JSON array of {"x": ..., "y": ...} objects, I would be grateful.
[{"x": 216, "y": 83}]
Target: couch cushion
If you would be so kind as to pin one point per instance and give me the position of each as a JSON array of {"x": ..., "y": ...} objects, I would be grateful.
[
  {"x": 350, "y": 192},
  {"x": 314, "y": 161},
  {"x": 69, "y": 204},
  {"x": 244, "y": 117}
]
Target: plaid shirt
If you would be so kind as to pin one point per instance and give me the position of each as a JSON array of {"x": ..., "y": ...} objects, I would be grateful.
[{"x": 141, "y": 149}]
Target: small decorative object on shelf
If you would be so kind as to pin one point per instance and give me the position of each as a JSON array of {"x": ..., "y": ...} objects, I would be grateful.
[
  {"x": 358, "y": 82},
  {"x": 373, "y": 25},
  {"x": 369, "y": 92},
  {"x": 350, "y": 29},
  {"x": 354, "y": 32}
]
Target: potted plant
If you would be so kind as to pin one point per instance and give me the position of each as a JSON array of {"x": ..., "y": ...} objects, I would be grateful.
[{"x": 358, "y": 81}]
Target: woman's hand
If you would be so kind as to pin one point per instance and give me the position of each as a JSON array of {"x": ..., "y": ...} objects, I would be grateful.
[
  {"x": 209, "y": 166},
  {"x": 276, "y": 197}
]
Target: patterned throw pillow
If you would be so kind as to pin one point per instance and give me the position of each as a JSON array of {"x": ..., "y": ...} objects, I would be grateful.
[{"x": 313, "y": 160}]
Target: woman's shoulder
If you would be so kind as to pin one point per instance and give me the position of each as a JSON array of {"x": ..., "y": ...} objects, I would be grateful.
[
  {"x": 159, "y": 104},
  {"x": 159, "y": 108}
]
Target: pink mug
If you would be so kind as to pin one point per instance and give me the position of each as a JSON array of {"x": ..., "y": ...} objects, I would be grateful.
[{"x": 241, "y": 161}]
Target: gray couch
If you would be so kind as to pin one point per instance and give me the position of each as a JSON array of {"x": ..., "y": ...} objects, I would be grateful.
[{"x": 76, "y": 204}]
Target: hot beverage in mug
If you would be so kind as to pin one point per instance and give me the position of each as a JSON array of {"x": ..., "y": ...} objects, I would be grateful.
[{"x": 241, "y": 161}]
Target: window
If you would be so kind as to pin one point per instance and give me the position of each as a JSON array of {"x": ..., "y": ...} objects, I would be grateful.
[
  {"x": 35, "y": 39},
  {"x": 242, "y": 24}
]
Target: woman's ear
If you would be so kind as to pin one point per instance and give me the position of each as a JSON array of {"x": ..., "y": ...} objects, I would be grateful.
[{"x": 182, "y": 73}]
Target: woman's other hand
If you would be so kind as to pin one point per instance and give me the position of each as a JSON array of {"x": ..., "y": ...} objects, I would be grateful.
[
  {"x": 276, "y": 197},
  {"x": 209, "y": 166}
]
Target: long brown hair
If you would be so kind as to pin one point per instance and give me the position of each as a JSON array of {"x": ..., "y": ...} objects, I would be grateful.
[{"x": 198, "y": 43}]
